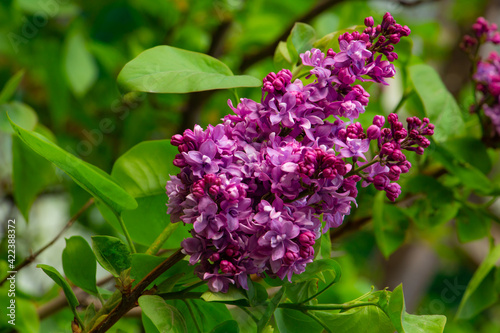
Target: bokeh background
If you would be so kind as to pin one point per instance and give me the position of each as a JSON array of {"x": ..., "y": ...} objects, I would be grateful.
[{"x": 71, "y": 53}]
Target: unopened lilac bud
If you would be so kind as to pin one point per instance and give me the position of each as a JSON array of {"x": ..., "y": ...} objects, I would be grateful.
[
  {"x": 392, "y": 118},
  {"x": 369, "y": 22},
  {"x": 387, "y": 149},
  {"x": 405, "y": 31},
  {"x": 214, "y": 257},
  {"x": 290, "y": 257},
  {"x": 278, "y": 84},
  {"x": 380, "y": 182},
  {"x": 306, "y": 251},
  {"x": 179, "y": 162},
  {"x": 227, "y": 267},
  {"x": 373, "y": 132},
  {"x": 392, "y": 56},
  {"x": 404, "y": 166},
  {"x": 400, "y": 134},
  {"x": 394, "y": 39},
  {"x": 342, "y": 134},
  {"x": 397, "y": 155},
  {"x": 177, "y": 139},
  {"x": 394, "y": 173},
  {"x": 419, "y": 151},
  {"x": 213, "y": 190},
  {"x": 307, "y": 238},
  {"x": 392, "y": 191},
  {"x": 379, "y": 121},
  {"x": 210, "y": 178}
]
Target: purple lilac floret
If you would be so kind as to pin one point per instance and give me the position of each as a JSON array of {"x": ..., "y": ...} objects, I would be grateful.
[
  {"x": 255, "y": 186},
  {"x": 487, "y": 71}
]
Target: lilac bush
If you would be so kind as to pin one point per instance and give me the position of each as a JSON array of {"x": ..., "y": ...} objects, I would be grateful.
[{"x": 257, "y": 186}]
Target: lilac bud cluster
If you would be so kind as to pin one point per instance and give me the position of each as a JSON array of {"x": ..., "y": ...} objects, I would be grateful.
[
  {"x": 391, "y": 162},
  {"x": 487, "y": 71},
  {"x": 254, "y": 186}
]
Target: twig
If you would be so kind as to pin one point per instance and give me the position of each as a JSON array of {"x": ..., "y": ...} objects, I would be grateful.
[
  {"x": 217, "y": 46},
  {"x": 33, "y": 256},
  {"x": 129, "y": 301},
  {"x": 250, "y": 59}
]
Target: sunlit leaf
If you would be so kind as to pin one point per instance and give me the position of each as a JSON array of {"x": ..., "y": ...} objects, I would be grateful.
[{"x": 166, "y": 69}]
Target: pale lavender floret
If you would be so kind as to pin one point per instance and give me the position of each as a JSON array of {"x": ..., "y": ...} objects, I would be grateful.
[
  {"x": 279, "y": 238},
  {"x": 202, "y": 161},
  {"x": 354, "y": 52},
  {"x": 353, "y": 147}
]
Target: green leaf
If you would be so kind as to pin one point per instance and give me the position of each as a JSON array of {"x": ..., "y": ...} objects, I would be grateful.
[
  {"x": 323, "y": 269},
  {"x": 10, "y": 87},
  {"x": 93, "y": 180},
  {"x": 229, "y": 326},
  {"x": 478, "y": 295},
  {"x": 282, "y": 58},
  {"x": 20, "y": 113},
  {"x": 143, "y": 172},
  {"x": 166, "y": 69},
  {"x": 389, "y": 224},
  {"x": 470, "y": 150},
  {"x": 301, "y": 39},
  {"x": 145, "y": 168},
  {"x": 472, "y": 224},
  {"x": 440, "y": 105},
  {"x": 207, "y": 315},
  {"x": 31, "y": 174},
  {"x": 271, "y": 307},
  {"x": 89, "y": 314},
  {"x": 424, "y": 323},
  {"x": 437, "y": 207},
  {"x": 79, "y": 264},
  {"x": 59, "y": 280},
  {"x": 79, "y": 64},
  {"x": 256, "y": 293},
  {"x": 361, "y": 319},
  {"x": 112, "y": 253},
  {"x": 289, "y": 320},
  {"x": 233, "y": 294},
  {"x": 466, "y": 172},
  {"x": 326, "y": 245},
  {"x": 165, "y": 317},
  {"x": 406, "y": 323},
  {"x": 299, "y": 292}
]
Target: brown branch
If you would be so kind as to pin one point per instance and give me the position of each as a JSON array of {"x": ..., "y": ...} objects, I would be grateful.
[
  {"x": 349, "y": 227},
  {"x": 415, "y": 3},
  {"x": 129, "y": 301},
  {"x": 33, "y": 256},
  {"x": 268, "y": 50}
]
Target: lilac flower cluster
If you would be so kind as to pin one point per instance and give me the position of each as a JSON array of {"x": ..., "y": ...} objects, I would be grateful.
[
  {"x": 254, "y": 186},
  {"x": 487, "y": 71}
]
